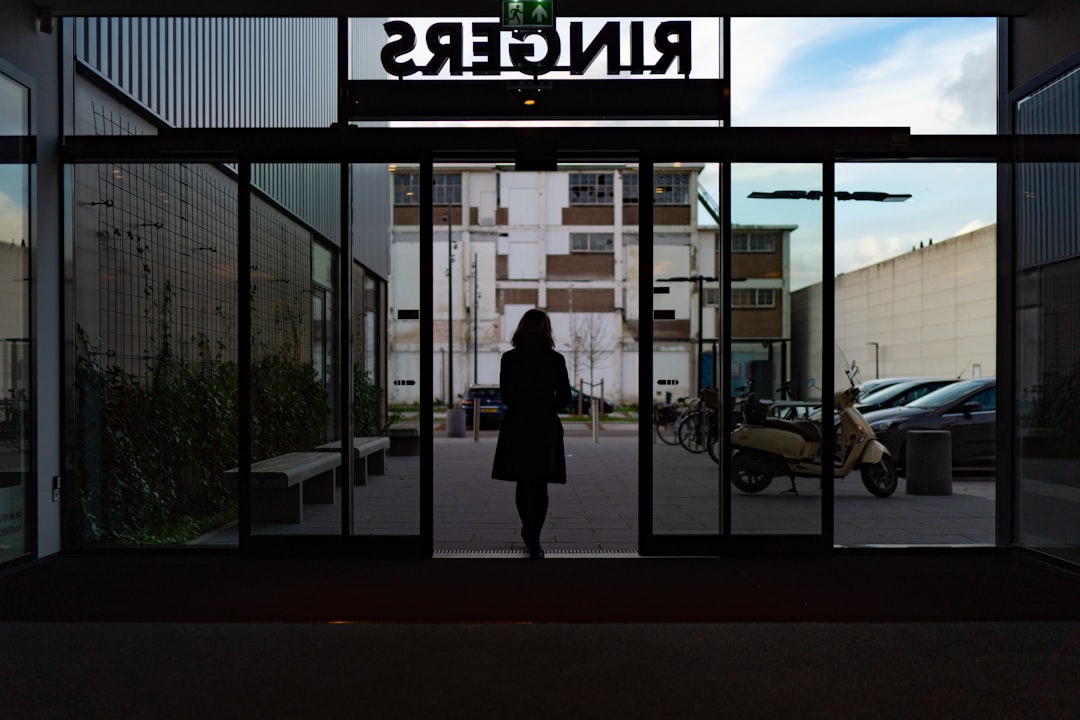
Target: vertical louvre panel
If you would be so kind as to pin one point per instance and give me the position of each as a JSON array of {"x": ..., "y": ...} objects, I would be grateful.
[
  {"x": 232, "y": 72},
  {"x": 1048, "y": 194}
]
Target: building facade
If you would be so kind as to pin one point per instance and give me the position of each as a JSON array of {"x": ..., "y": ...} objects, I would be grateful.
[
  {"x": 124, "y": 292},
  {"x": 567, "y": 241}
]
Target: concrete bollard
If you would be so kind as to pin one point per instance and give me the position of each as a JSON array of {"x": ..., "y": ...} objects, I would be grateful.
[
  {"x": 929, "y": 462},
  {"x": 455, "y": 422}
]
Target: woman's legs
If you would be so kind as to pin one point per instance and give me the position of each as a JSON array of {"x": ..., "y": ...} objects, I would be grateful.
[{"x": 532, "y": 505}]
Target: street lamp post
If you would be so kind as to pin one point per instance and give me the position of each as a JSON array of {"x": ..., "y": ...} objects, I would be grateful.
[
  {"x": 455, "y": 417},
  {"x": 449, "y": 303},
  {"x": 475, "y": 322},
  {"x": 877, "y": 367}
]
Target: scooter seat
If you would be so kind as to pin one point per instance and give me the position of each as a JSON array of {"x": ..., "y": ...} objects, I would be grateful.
[{"x": 806, "y": 429}]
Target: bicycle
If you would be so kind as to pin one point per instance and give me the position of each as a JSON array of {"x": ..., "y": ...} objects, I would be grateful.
[
  {"x": 668, "y": 416},
  {"x": 696, "y": 429}
]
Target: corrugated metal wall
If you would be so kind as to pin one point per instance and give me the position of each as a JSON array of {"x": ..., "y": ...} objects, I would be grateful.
[
  {"x": 1048, "y": 195},
  {"x": 232, "y": 73}
]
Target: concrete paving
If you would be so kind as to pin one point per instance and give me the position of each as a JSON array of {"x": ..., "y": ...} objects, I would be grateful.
[{"x": 597, "y": 510}]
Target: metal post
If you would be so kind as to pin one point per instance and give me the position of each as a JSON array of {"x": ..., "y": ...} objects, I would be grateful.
[
  {"x": 700, "y": 330},
  {"x": 877, "y": 370},
  {"x": 476, "y": 419},
  {"x": 475, "y": 322},
  {"x": 450, "y": 299},
  {"x": 595, "y": 420}
]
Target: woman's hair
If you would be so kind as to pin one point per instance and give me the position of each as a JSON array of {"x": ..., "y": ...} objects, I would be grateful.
[{"x": 533, "y": 331}]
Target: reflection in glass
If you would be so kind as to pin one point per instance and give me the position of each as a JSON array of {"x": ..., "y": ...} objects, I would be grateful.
[
  {"x": 155, "y": 354},
  {"x": 386, "y": 388},
  {"x": 1047, "y": 328},
  {"x": 15, "y": 390},
  {"x": 686, "y": 358},
  {"x": 775, "y": 261},
  {"x": 293, "y": 381},
  {"x": 1047, "y": 370}
]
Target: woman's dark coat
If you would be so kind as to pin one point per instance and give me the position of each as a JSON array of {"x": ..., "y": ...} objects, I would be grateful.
[{"x": 534, "y": 386}]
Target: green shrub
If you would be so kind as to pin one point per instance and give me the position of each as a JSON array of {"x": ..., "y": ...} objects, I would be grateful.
[{"x": 151, "y": 452}]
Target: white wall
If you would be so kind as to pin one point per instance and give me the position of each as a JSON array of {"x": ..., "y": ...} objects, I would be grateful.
[{"x": 932, "y": 312}]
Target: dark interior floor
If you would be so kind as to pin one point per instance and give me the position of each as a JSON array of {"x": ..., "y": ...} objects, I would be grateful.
[
  {"x": 977, "y": 634},
  {"x": 963, "y": 585}
]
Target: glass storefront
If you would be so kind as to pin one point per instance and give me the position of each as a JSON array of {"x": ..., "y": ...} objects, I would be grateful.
[
  {"x": 157, "y": 333},
  {"x": 1047, "y": 323},
  {"x": 155, "y": 352},
  {"x": 15, "y": 386}
]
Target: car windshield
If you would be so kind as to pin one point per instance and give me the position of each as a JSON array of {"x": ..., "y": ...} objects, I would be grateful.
[
  {"x": 943, "y": 397},
  {"x": 485, "y": 393},
  {"x": 884, "y": 394}
]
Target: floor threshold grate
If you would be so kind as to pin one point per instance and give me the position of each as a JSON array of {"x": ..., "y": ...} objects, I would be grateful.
[{"x": 522, "y": 553}]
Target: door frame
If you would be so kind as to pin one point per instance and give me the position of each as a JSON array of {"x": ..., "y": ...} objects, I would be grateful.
[{"x": 426, "y": 146}]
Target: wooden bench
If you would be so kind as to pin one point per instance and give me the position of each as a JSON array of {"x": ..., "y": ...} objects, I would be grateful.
[
  {"x": 281, "y": 485},
  {"x": 404, "y": 439},
  {"x": 369, "y": 456}
]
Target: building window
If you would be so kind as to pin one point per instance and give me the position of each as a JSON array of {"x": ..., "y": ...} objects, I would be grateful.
[
  {"x": 753, "y": 242},
  {"x": 753, "y": 298},
  {"x": 670, "y": 188},
  {"x": 592, "y": 242},
  {"x": 630, "y": 188},
  {"x": 446, "y": 190},
  {"x": 712, "y": 297},
  {"x": 592, "y": 188}
]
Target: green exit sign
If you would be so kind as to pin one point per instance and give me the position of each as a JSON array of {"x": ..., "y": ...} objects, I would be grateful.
[{"x": 528, "y": 14}]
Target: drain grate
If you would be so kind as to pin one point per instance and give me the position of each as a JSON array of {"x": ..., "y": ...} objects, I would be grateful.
[{"x": 479, "y": 553}]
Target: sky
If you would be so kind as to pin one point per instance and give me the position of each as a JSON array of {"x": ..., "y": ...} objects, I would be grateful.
[{"x": 933, "y": 75}]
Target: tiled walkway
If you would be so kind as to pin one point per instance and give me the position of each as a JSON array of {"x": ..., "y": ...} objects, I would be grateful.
[{"x": 597, "y": 510}]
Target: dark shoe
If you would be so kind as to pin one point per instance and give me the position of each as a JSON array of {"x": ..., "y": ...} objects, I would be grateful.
[{"x": 536, "y": 552}]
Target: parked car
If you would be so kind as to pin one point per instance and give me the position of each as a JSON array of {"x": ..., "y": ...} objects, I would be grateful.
[
  {"x": 966, "y": 408},
  {"x": 900, "y": 393},
  {"x": 871, "y": 386},
  {"x": 492, "y": 409},
  {"x": 586, "y": 404}
]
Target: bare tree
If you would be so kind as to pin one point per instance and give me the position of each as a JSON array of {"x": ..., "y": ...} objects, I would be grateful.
[{"x": 591, "y": 343}]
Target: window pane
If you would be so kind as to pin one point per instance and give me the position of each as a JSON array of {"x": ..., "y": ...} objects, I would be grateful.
[
  {"x": 155, "y": 313},
  {"x": 591, "y": 188}
]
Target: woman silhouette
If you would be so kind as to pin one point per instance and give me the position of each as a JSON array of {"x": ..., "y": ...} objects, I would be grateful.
[{"x": 534, "y": 386}]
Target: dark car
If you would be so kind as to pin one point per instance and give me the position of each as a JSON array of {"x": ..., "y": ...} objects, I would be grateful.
[
  {"x": 872, "y": 386},
  {"x": 492, "y": 409},
  {"x": 900, "y": 393},
  {"x": 586, "y": 404},
  {"x": 966, "y": 408}
]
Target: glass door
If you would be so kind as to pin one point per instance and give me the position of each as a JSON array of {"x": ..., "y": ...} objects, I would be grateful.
[
  {"x": 16, "y": 391},
  {"x": 327, "y": 292},
  {"x": 777, "y": 379},
  {"x": 684, "y": 289},
  {"x": 724, "y": 246}
]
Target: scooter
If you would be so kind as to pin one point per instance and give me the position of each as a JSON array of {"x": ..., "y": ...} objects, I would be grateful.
[{"x": 766, "y": 447}]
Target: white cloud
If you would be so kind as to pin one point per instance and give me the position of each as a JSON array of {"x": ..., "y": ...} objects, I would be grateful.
[
  {"x": 868, "y": 250},
  {"x": 934, "y": 79},
  {"x": 763, "y": 48},
  {"x": 971, "y": 227}
]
